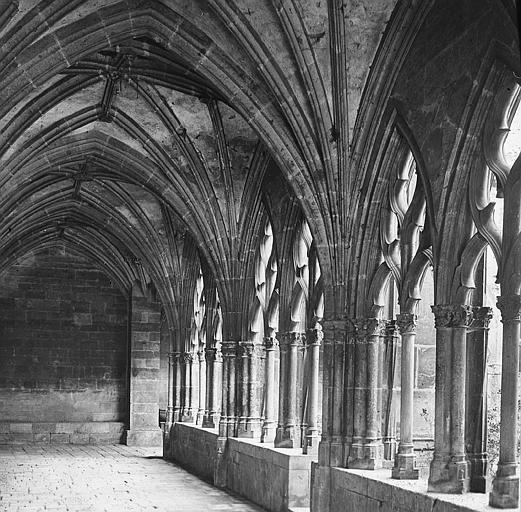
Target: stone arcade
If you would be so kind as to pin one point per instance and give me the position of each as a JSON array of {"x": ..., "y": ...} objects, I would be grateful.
[{"x": 282, "y": 238}]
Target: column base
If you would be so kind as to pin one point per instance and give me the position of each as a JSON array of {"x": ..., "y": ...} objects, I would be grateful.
[
  {"x": 478, "y": 473},
  {"x": 269, "y": 430},
  {"x": 405, "y": 467},
  {"x": 367, "y": 456},
  {"x": 151, "y": 437},
  {"x": 211, "y": 421},
  {"x": 389, "y": 448},
  {"x": 287, "y": 437},
  {"x": 249, "y": 429},
  {"x": 505, "y": 487},
  {"x": 449, "y": 476},
  {"x": 310, "y": 445}
]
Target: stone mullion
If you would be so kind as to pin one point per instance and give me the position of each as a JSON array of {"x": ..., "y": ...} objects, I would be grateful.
[
  {"x": 405, "y": 460},
  {"x": 187, "y": 413},
  {"x": 314, "y": 339},
  {"x": 249, "y": 422},
  {"x": 269, "y": 426},
  {"x": 476, "y": 421},
  {"x": 279, "y": 434},
  {"x": 213, "y": 387},
  {"x": 373, "y": 446},
  {"x": 178, "y": 387},
  {"x": 228, "y": 423},
  {"x": 505, "y": 486},
  {"x": 349, "y": 389},
  {"x": 449, "y": 472},
  {"x": 356, "y": 452},
  {"x": 202, "y": 387},
  {"x": 389, "y": 436},
  {"x": 171, "y": 392},
  {"x": 289, "y": 435}
]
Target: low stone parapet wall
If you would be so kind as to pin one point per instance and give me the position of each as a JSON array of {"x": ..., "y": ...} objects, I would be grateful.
[
  {"x": 277, "y": 479},
  {"x": 358, "y": 490}
]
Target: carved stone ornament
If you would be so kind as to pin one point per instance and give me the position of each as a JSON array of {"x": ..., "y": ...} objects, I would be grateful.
[
  {"x": 375, "y": 326},
  {"x": 510, "y": 307},
  {"x": 481, "y": 317},
  {"x": 271, "y": 342},
  {"x": 452, "y": 315},
  {"x": 187, "y": 357},
  {"x": 315, "y": 335},
  {"x": 407, "y": 323},
  {"x": 294, "y": 339},
  {"x": 462, "y": 316}
]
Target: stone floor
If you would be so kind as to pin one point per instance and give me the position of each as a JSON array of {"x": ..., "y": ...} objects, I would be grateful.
[{"x": 41, "y": 477}]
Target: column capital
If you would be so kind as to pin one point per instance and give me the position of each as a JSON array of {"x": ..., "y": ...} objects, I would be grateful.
[
  {"x": 271, "y": 342},
  {"x": 294, "y": 339},
  {"x": 407, "y": 323},
  {"x": 229, "y": 348},
  {"x": 213, "y": 354},
  {"x": 510, "y": 307},
  {"x": 481, "y": 317},
  {"x": 315, "y": 335},
  {"x": 363, "y": 327},
  {"x": 250, "y": 348},
  {"x": 187, "y": 357},
  {"x": 452, "y": 315}
]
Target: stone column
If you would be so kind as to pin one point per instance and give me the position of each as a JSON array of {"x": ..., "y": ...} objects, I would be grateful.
[
  {"x": 405, "y": 460},
  {"x": 144, "y": 372},
  {"x": 228, "y": 421},
  {"x": 171, "y": 392},
  {"x": 314, "y": 339},
  {"x": 202, "y": 387},
  {"x": 178, "y": 386},
  {"x": 356, "y": 451},
  {"x": 269, "y": 426},
  {"x": 505, "y": 486},
  {"x": 214, "y": 362},
  {"x": 289, "y": 436},
  {"x": 449, "y": 471},
  {"x": 391, "y": 349},
  {"x": 476, "y": 415},
  {"x": 367, "y": 448},
  {"x": 337, "y": 411},
  {"x": 187, "y": 414}
]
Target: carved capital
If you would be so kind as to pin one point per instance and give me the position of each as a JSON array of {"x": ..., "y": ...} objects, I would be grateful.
[
  {"x": 481, "y": 317},
  {"x": 315, "y": 336},
  {"x": 407, "y": 323},
  {"x": 294, "y": 339},
  {"x": 462, "y": 316},
  {"x": 364, "y": 327},
  {"x": 187, "y": 357},
  {"x": 452, "y": 315},
  {"x": 510, "y": 307},
  {"x": 271, "y": 342},
  {"x": 201, "y": 356}
]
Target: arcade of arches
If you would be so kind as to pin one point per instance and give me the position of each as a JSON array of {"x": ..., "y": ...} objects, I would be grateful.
[{"x": 282, "y": 238}]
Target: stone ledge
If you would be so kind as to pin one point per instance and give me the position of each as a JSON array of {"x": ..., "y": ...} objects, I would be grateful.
[{"x": 365, "y": 489}]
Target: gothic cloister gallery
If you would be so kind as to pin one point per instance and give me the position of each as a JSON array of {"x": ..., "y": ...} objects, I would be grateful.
[{"x": 279, "y": 238}]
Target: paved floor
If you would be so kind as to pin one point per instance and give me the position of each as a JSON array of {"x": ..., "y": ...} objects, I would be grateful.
[{"x": 103, "y": 478}]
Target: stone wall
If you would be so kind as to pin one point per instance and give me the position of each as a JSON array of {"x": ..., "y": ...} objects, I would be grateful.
[{"x": 63, "y": 344}]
